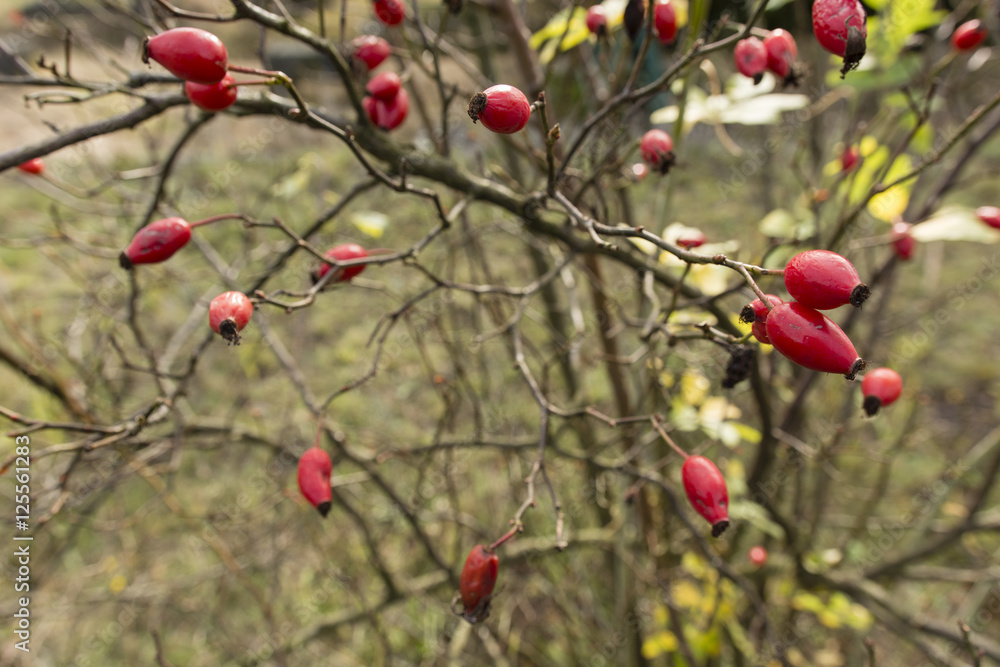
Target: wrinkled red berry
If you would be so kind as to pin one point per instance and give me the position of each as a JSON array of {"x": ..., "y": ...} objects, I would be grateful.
[
  {"x": 811, "y": 339},
  {"x": 503, "y": 109},
  {"x": 388, "y": 115},
  {"x": 212, "y": 97},
  {"x": 781, "y": 53},
  {"x": 191, "y": 54},
  {"x": 665, "y": 21},
  {"x": 314, "y": 479},
  {"x": 156, "y": 242},
  {"x": 903, "y": 242},
  {"x": 757, "y": 313},
  {"x": 990, "y": 215},
  {"x": 228, "y": 314},
  {"x": 841, "y": 28},
  {"x": 597, "y": 20},
  {"x": 881, "y": 386},
  {"x": 822, "y": 279},
  {"x": 343, "y": 252},
  {"x": 384, "y": 86},
  {"x": 706, "y": 489},
  {"x": 751, "y": 58},
  {"x": 389, "y": 12},
  {"x": 657, "y": 149},
  {"x": 34, "y": 166},
  {"x": 371, "y": 50},
  {"x": 968, "y": 36},
  {"x": 479, "y": 576}
]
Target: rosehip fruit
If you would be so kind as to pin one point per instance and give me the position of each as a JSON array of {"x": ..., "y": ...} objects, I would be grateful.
[
  {"x": 811, "y": 339},
  {"x": 757, "y": 313},
  {"x": 341, "y": 253},
  {"x": 757, "y": 555},
  {"x": 479, "y": 576},
  {"x": 371, "y": 50},
  {"x": 228, "y": 314},
  {"x": 389, "y": 12},
  {"x": 503, "y": 109},
  {"x": 692, "y": 239},
  {"x": 881, "y": 386},
  {"x": 849, "y": 158},
  {"x": 657, "y": 149},
  {"x": 841, "y": 28},
  {"x": 33, "y": 166},
  {"x": 665, "y": 21},
  {"x": 706, "y": 489},
  {"x": 822, "y": 279},
  {"x": 968, "y": 36},
  {"x": 751, "y": 58},
  {"x": 903, "y": 242},
  {"x": 212, "y": 97},
  {"x": 314, "y": 479},
  {"x": 384, "y": 86},
  {"x": 388, "y": 115},
  {"x": 597, "y": 20},
  {"x": 781, "y": 54},
  {"x": 191, "y": 54},
  {"x": 156, "y": 242},
  {"x": 990, "y": 215}
]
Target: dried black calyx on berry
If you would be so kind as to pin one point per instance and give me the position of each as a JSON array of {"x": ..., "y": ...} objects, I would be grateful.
[
  {"x": 747, "y": 315},
  {"x": 860, "y": 294},
  {"x": 476, "y": 106},
  {"x": 665, "y": 161},
  {"x": 324, "y": 508},
  {"x": 739, "y": 366},
  {"x": 229, "y": 331},
  {"x": 854, "y": 50},
  {"x": 858, "y": 366},
  {"x": 719, "y": 527},
  {"x": 124, "y": 261},
  {"x": 635, "y": 10},
  {"x": 871, "y": 405}
]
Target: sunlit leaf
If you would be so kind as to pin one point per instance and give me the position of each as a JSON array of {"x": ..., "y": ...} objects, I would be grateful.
[
  {"x": 371, "y": 223},
  {"x": 658, "y": 644},
  {"x": 955, "y": 224},
  {"x": 891, "y": 204},
  {"x": 741, "y": 104}
]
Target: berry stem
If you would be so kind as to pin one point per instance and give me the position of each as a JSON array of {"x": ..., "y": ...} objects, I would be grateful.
[
  {"x": 514, "y": 530},
  {"x": 753, "y": 285},
  {"x": 663, "y": 434},
  {"x": 217, "y": 218}
]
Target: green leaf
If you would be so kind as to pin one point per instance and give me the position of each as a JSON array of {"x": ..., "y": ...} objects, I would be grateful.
[
  {"x": 779, "y": 224},
  {"x": 955, "y": 224},
  {"x": 755, "y": 515},
  {"x": 742, "y": 104}
]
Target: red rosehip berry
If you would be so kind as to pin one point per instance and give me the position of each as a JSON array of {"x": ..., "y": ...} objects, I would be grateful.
[
  {"x": 706, "y": 489},
  {"x": 692, "y": 239},
  {"x": 822, "y": 279},
  {"x": 665, "y": 21},
  {"x": 968, "y": 36},
  {"x": 990, "y": 215},
  {"x": 903, "y": 242},
  {"x": 371, "y": 50},
  {"x": 657, "y": 149},
  {"x": 849, "y": 158},
  {"x": 479, "y": 576},
  {"x": 191, "y": 54},
  {"x": 597, "y": 20},
  {"x": 384, "y": 86},
  {"x": 503, "y": 109},
  {"x": 156, "y": 242},
  {"x": 314, "y": 479},
  {"x": 751, "y": 58},
  {"x": 781, "y": 54},
  {"x": 640, "y": 170},
  {"x": 228, "y": 314},
  {"x": 34, "y": 166},
  {"x": 343, "y": 252},
  {"x": 389, "y": 12},
  {"x": 757, "y": 555},
  {"x": 757, "y": 313},
  {"x": 212, "y": 97},
  {"x": 388, "y": 115},
  {"x": 881, "y": 386},
  {"x": 811, "y": 339},
  {"x": 841, "y": 28}
]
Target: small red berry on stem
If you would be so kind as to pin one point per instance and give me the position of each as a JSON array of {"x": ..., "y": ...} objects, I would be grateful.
[
  {"x": 841, "y": 28},
  {"x": 191, "y": 54},
  {"x": 706, "y": 489},
  {"x": 849, "y": 158},
  {"x": 389, "y": 12},
  {"x": 990, "y": 215},
  {"x": 314, "y": 478},
  {"x": 503, "y": 109},
  {"x": 781, "y": 55},
  {"x": 903, "y": 243},
  {"x": 811, "y": 339},
  {"x": 156, "y": 242},
  {"x": 345, "y": 251},
  {"x": 479, "y": 576},
  {"x": 665, "y": 21},
  {"x": 390, "y": 114},
  {"x": 597, "y": 20},
  {"x": 228, "y": 314},
  {"x": 694, "y": 238},
  {"x": 757, "y": 555},
  {"x": 371, "y": 50},
  {"x": 657, "y": 149},
  {"x": 968, "y": 36},
  {"x": 34, "y": 166},
  {"x": 756, "y": 311},
  {"x": 751, "y": 58},
  {"x": 384, "y": 86},
  {"x": 881, "y": 386},
  {"x": 212, "y": 97},
  {"x": 822, "y": 279}
]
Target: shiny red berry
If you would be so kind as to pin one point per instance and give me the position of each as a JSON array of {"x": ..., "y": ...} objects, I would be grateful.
[
  {"x": 503, "y": 109},
  {"x": 314, "y": 479},
  {"x": 228, "y": 314},
  {"x": 903, "y": 243},
  {"x": 781, "y": 53},
  {"x": 881, "y": 386},
  {"x": 191, "y": 54},
  {"x": 388, "y": 115},
  {"x": 34, "y": 166},
  {"x": 343, "y": 252},
  {"x": 849, "y": 158},
  {"x": 389, "y": 12},
  {"x": 757, "y": 555},
  {"x": 665, "y": 21},
  {"x": 156, "y": 242},
  {"x": 841, "y": 28},
  {"x": 706, "y": 489},
  {"x": 371, "y": 50},
  {"x": 751, "y": 58},
  {"x": 657, "y": 149},
  {"x": 212, "y": 97},
  {"x": 757, "y": 313},
  {"x": 822, "y": 279},
  {"x": 968, "y": 36},
  {"x": 384, "y": 86},
  {"x": 597, "y": 20},
  {"x": 692, "y": 239},
  {"x": 990, "y": 215},
  {"x": 479, "y": 576},
  {"x": 811, "y": 339}
]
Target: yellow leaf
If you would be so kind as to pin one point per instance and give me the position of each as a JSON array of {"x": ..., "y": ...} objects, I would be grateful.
[
  {"x": 118, "y": 583},
  {"x": 659, "y": 644},
  {"x": 687, "y": 595},
  {"x": 694, "y": 387},
  {"x": 371, "y": 223}
]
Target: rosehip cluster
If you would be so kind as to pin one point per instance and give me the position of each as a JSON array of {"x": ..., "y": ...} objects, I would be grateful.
[
  {"x": 502, "y": 109},
  {"x": 777, "y": 52},
  {"x": 387, "y": 102}
]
